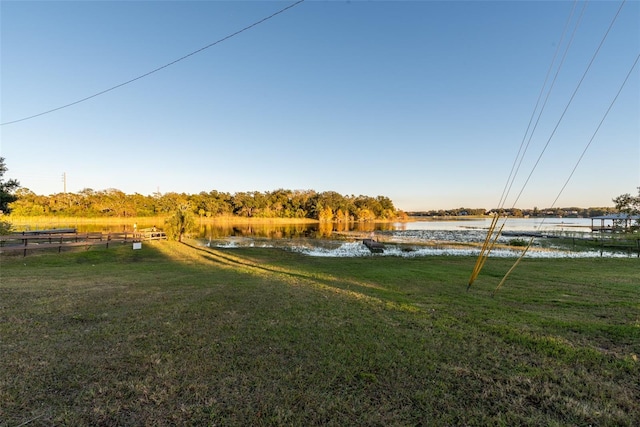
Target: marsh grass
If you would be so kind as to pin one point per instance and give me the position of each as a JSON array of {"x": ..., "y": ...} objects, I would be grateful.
[
  {"x": 182, "y": 335},
  {"x": 628, "y": 243},
  {"x": 22, "y": 222}
]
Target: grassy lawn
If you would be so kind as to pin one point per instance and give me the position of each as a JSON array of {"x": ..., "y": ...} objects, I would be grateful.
[{"x": 179, "y": 335}]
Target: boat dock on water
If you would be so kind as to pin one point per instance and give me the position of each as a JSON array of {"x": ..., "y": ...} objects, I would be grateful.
[{"x": 374, "y": 246}]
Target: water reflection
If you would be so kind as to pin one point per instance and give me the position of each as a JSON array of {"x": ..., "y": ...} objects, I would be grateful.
[
  {"x": 322, "y": 230},
  {"x": 272, "y": 230},
  {"x": 411, "y": 238}
]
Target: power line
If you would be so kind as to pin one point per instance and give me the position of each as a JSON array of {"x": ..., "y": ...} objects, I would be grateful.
[
  {"x": 159, "y": 68},
  {"x": 493, "y": 234},
  {"x": 515, "y": 167},
  {"x": 487, "y": 249},
  {"x": 535, "y": 126},
  {"x": 566, "y": 108},
  {"x": 584, "y": 151}
]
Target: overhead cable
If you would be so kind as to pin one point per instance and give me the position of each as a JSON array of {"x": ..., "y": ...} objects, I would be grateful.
[
  {"x": 492, "y": 238},
  {"x": 535, "y": 126},
  {"x": 157, "y": 69},
  {"x": 523, "y": 147},
  {"x": 566, "y": 108},
  {"x": 485, "y": 251},
  {"x": 615, "y": 98}
]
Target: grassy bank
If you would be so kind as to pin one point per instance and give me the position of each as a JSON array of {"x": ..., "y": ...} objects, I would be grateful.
[{"x": 177, "y": 335}]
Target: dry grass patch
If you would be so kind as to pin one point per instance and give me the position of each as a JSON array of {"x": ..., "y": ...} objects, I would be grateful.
[{"x": 174, "y": 334}]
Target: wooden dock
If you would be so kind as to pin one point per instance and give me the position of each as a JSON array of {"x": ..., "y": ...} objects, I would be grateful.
[
  {"x": 69, "y": 238},
  {"x": 374, "y": 246}
]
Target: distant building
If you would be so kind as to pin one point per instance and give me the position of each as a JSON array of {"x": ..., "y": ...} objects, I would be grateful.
[{"x": 618, "y": 222}]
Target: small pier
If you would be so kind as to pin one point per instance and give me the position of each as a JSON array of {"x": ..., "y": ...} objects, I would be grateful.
[
  {"x": 374, "y": 246},
  {"x": 63, "y": 238},
  {"x": 615, "y": 223}
]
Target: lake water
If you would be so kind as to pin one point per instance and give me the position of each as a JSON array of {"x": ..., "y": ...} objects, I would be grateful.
[
  {"x": 405, "y": 239},
  {"x": 511, "y": 224},
  {"x": 329, "y": 230},
  {"x": 408, "y": 239}
]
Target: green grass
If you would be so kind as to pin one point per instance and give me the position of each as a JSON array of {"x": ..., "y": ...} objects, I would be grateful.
[
  {"x": 628, "y": 243},
  {"x": 176, "y": 335}
]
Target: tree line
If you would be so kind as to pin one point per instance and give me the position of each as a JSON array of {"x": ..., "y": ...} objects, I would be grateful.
[
  {"x": 323, "y": 206},
  {"x": 567, "y": 212},
  {"x": 281, "y": 203}
]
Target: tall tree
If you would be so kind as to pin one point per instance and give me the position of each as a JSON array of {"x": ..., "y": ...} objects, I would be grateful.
[
  {"x": 6, "y": 189},
  {"x": 630, "y": 205},
  {"x": 180, "y": 223},
  {"x": 626, "y": 203}
]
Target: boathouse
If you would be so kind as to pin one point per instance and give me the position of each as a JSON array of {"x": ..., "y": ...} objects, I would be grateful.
[{"x": 620, "y": 222}]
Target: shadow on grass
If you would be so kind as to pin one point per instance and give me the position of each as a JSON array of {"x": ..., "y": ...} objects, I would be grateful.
[
  {"x": 359, "y": 290},
  {"x": 176, "y": 334}
]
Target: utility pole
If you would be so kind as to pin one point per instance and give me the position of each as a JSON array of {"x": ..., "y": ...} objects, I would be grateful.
[{"x": 64, "y": 181}]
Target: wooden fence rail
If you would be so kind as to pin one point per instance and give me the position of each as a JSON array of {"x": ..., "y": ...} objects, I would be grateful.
[{"x": 59, "y": 239}]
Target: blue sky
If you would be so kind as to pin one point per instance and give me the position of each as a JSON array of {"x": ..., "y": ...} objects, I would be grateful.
[{"x": 425, "y": 102}]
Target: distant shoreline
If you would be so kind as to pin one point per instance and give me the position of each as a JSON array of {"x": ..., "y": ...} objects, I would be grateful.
[{"x": 54, "y": 221}]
